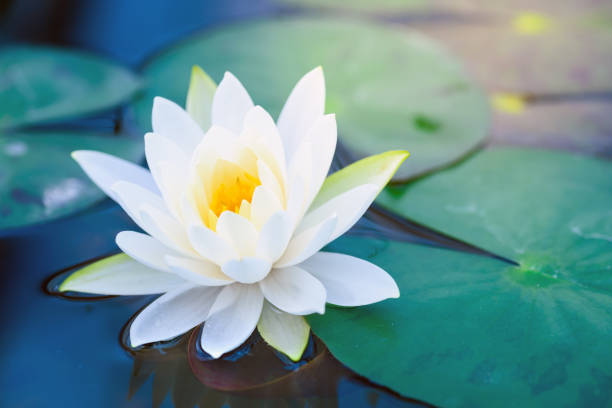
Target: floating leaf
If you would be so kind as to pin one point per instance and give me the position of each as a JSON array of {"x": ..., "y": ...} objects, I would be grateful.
[
  {"x": 40, "y": 84},
  {"x": 390, "y": 89},
  {"x": 472, "y": 331},
  {"x": 533, "y": 206},
  {"x": 39, "y": 180},
  {"x": 475, "y": 331}
]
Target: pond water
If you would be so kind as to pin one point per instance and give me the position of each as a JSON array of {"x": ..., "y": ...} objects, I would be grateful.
[{"x": 69, "y": 352}]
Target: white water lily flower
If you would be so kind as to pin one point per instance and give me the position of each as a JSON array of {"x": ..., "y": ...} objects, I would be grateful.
[{"x": 235, "y": 218}]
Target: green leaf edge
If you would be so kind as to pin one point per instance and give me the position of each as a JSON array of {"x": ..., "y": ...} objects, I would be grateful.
[
  {"x": 295, "y": 357},
  {"x": 200, "y": 97},
  {"x": 83, "y": 273},
  {"x": 377, "y": 169}
]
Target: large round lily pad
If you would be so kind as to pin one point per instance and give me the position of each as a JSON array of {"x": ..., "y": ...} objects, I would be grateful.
[
  {"x": 576, "y": 126},
  {"x": 39, "y": 180},
  {"x": 533, "y": 54},
  {"x": 40, "y": 84},
  {"x": 472, "y": 331},
  {"x": 390, "y": 89}
]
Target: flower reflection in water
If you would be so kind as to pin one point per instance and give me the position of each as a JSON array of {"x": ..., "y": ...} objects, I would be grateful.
[{"x": 254, "y": 375}]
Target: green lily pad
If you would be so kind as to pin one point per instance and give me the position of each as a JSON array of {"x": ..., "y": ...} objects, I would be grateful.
[
  {"x": 40, "y": 84},
  {"x": 389, "y": 89},
  {"x": 476, "y": 331},
  {"x": 533, "y": 53},
  {"x": 39, "y": 181},
  {"x": 549, "y": 209},
  {"x": 472, "y": 331},
  {"x": 576, "y": 126}
]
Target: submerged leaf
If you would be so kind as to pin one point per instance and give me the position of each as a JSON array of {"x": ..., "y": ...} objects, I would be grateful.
[
  {"x": 39, "y": 181},
  {"x": 41, "y": 84}
]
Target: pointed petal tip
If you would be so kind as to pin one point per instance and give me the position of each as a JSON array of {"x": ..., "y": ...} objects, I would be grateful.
[
  {"x": 134, "y": 343},
  {"x": 395, "y": 292},
  {"x": 197, "y": 70},
  {"x": 65, "y": 286},
  {"x": 79, "y": 155},
  {"x": 399, "y": 155},
  {"x": 228, "y": 75},
  {"x": 211, "y": 352}
]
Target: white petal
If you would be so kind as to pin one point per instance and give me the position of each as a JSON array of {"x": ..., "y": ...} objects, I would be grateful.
[
  {"x": 350, "y": 281},
  {"x": 348, "y": 206},
  {"x": 105, "y": 170},
  {"x": 263, "y": 205},
  {"x": 199, "y": 272},
  {"x": 172, "y": 314},
  {"x": 274, "y": 237},
  {"x": 285, "y": 332},
  {"x": 229, "y": 326},
  {"x": 163, "y": 227},
  {"x": 238, "y": 231},
  {"x": 132, "y": 197},
  {"x": 294, "y": 290},
  {"x": 247, "y": 270},
  {"x": 200, "y": 96},
  {"x": 261, "y": 122},
  {"x": 168, "y": 164},
  {"x": 120, "y": 275},
  {"x": 189, "y": 211},
  {"x": 211, "y": 246},
  {"x": 295, "y": 200},
  {"x": 323, "y": 136},
  {"x": 308, "y": 242},
  {"x": 230, "y": 104},
  {"x": 270, "y": 181},
  {"x": 171, "y": 121},
  {"x": 144, "y": 249},
  {"x": 303, "y": 107}
]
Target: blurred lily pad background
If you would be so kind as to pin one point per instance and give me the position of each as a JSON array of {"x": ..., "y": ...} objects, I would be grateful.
[{"x": 505, "y": 107}]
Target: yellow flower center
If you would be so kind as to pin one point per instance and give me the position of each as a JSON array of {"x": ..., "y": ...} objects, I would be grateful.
[{"x": 232, "y": 190}]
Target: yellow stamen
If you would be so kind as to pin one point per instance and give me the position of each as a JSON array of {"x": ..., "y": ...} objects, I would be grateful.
[{"x": 232, "y": 189}]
